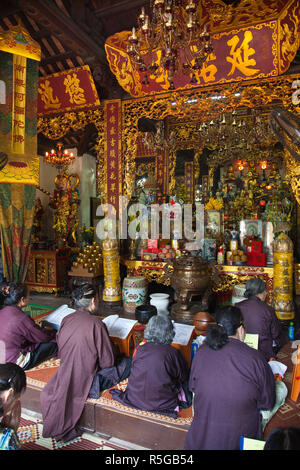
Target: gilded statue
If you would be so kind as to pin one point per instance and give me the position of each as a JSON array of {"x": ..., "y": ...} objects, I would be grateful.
[{"x": 65, "y": 201}]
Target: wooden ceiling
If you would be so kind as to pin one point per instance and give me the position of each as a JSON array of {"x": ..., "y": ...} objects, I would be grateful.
[{"x": 72, "y": 33}]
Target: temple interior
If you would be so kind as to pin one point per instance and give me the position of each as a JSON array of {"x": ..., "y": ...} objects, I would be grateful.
[{"x": 151, "y": 150}]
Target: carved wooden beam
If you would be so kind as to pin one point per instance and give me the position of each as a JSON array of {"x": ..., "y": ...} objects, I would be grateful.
[
  {"x": 120, "y": 7},
  {"x": 63, "y": 27},
  {"x": 58, "y": 58},
  {"x": 9, "y": 8}
]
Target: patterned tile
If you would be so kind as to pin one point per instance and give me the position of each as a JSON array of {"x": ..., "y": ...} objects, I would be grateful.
[
  {"x": 30, "y": 434},
  {"x": 286, "y": 408}
]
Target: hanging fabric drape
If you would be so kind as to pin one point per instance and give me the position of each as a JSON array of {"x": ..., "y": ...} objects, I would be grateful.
[{"x": 16, "y": 217}]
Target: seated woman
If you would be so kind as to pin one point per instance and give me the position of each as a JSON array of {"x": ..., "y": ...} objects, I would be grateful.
[
  {"x": 26, "y": 343},
  {"x": 158, "y": 371},
  {"x": 84, "y": 347},
  {"x": 231, "y": 383},
  {"x": 12, "y": 384},
  {"x": 261, "y": 319}
]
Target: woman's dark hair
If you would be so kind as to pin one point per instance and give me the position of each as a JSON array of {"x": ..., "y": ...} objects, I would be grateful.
[
  {"x": 12, "y": 292},
  {"x": 283, "y": 439},
  {"x": 11, "y": 376},
  {"x": 159, "y": 330},
  {"x": 254, "y": 286},
  {"x": 82, "y": 295},
  {"x": 228, "y": 320}
]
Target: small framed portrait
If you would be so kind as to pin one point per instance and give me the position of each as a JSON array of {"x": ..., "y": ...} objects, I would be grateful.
[
  {"x": 250, "y": 228},
  {"x": 213, "y": 222}
]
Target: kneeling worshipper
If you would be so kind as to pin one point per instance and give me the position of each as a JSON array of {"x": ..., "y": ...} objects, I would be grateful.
[
  {"x": 159, "y": 373},
  {"x": 261, "y": 319},
  {"x": 85, "y": 351},
  {"x": 231, "y": 383},
  {"x": 26, "y": 343},
  {"x": 12, "y": 385}
]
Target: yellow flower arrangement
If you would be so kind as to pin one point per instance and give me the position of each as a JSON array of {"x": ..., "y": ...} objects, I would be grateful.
[
  {"x": 87, "y": 233},
  {"x": 214, "y": 204}
]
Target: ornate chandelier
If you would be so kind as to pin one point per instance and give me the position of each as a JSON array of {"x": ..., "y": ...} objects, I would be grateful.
[
  {"x": 238, "y": 131},
  {"x": 171, "y": 42},
  {"x": 60, "y": 159}
]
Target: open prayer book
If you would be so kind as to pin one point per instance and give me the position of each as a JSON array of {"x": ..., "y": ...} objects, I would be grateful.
[
  {"x": 55, "y": 318},
  {"x": 118, "y": 327},
  {"x": 183, "y": 333}
]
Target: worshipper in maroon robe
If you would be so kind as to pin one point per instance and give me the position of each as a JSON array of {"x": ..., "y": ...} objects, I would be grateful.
[
  {"x": 84, "y": 346},
  {"x": 12, "y": 385},
  {"x": 231, "y": 383},
  {"x": 261, "y": 319},
  {"x": 26, "y": 343},
  {"x": 158, "y": 372}
]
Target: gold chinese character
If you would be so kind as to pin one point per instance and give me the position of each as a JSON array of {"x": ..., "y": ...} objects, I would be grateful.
[
  {"x": 46, "y": 92},
  {"x": 113, "y": 142},
  {"x": 112, "y": 164},
  {"x": 240, "y": 55},
  {"x": 112, "y": 131},
  {"x": 112, "y": 177},
  {"x": 112, "y": 153},
  {"x": 113, "y": 187},
  {"x": 208, "y": 72},
  {"x": 112, "y": 119},
  {"x": 75, "y": 91}
]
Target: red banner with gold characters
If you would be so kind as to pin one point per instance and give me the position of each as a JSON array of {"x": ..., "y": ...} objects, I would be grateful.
[
  {"x": 68, "y": 90},
  {"x": 113, "y": 147},
  {"x": 258, "y": 41},
  {"x": 161, "y": 173},
  {"x": 189, "y": 181}
]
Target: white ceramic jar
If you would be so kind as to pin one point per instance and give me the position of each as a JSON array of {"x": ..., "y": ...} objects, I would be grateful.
[
  {"x": 161, "y": 302},
  {"x": 134, "y": 292},
  {"x": 238, "y": 293}
]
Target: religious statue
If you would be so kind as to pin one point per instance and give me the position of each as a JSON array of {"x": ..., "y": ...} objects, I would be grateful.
[
  {"x": 150, "y": 198},
  {"x": 65, "y": 201},
  {"x": 37, "y": 217}
]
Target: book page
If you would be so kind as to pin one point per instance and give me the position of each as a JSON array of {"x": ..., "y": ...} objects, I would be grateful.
[
  {"x": 182, "y": 333},
  {"x": 57, "y": 316},
  {"x": 278, "y": 368},
  {"x": 109, "y": 321},
  {"x": 251, "y": 340},
  {"x": 121, "y": 328},
  {"x": 251, "y": 444}
]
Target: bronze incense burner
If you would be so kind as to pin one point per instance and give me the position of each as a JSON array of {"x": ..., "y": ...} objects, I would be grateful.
[{"x": 190, "y": 278}]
